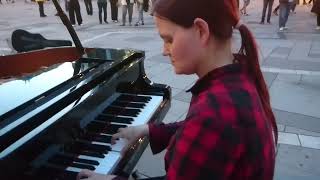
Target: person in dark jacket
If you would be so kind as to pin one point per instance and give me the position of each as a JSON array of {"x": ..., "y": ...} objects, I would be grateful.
[
  {"x": 316, "y": 9},
  {"x": 88, "y": 4},
  {"x": 114, "y": 10},
  {"x": 41, "y": 9},
  {"x": 74, "y": 9},
  {"x": 102, "y": 5},
  {"x": 266, "y": 4}
]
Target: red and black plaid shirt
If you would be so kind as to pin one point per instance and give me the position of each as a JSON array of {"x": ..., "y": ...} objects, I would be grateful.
[{"x": 225, "y": 134}]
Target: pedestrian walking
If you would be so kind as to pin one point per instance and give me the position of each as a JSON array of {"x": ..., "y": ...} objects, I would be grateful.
[
  {"x": 88, "y": 4},
  {"x": 41, "y": 9},
  {"x": 102, "y": 6},
  {"x": 74, "y": 10},
  {"x": 114, "y": 10},
  {"x": 140, "y": 6},
  {"x": 243, "y": 10},
  {"x": 316, "y": 9},
  {"x": 230, "y": 131},
  {"x": 127, "y": 7},
  {"x": 293, "y": 6},
  {"x": 267, "y": 4},
  {"x": 284, "y": 13}
]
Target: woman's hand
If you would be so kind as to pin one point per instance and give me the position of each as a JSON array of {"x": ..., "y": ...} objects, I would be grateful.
[
  {"x": 90, "y": 175},
  {"x": 131, "y": 134}
]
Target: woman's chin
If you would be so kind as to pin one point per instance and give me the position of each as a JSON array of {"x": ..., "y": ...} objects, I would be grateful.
[{"x": 178, "y": 71}]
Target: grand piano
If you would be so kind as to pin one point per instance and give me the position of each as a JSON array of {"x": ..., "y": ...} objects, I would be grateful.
[{"x": 60, "y": 106}]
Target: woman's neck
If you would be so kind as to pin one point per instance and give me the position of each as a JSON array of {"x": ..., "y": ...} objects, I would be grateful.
[{"x": 216, "y": 56}]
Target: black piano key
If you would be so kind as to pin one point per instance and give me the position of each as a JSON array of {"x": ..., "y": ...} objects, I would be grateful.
[
  {"x": 74, "y": 157},
  {"x": 97, "y": 126},
  {"x": 113, "y": 128},
  {"x": 85, "y": 146},
  {"x": 66, "y": 162},
  {"x": 98, "y": 138},
  {"x": 113, "y": 110},
  {"x": 86, "y": 153},
  {"x": 109, "y": 118},
  {"x": 128, "y": 104},
  {"x": 133, "y": 98},
  {"x": 101, "y": 127},
  {"x": 82, "y": 166},
  {"x": 93, "y": 154}
]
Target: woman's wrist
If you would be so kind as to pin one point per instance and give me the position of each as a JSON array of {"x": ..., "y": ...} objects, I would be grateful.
[{"x": 146, "y": 130}]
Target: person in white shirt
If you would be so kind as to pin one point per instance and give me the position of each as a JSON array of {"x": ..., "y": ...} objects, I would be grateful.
[
  {"x": 140, "y": 12},
  {"x": 127, "y": 6}
]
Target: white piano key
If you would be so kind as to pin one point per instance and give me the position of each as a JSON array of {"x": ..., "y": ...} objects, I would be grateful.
[
  {"x": 146, "y": 113},
  {"x": 119, "y": 145}
]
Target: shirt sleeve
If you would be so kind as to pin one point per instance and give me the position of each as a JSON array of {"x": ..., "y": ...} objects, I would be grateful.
[
  {"x": 206, "y": 148},
  {"x": 160, "y": 135}
]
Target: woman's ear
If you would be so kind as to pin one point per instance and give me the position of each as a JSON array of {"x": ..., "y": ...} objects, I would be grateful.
[{"x": 202, "y": 30}]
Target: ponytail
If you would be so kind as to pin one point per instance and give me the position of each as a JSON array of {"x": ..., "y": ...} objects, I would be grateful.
[{"x": 249, "y": 48}]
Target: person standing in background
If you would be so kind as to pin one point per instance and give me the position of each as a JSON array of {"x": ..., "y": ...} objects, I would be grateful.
[
  {"x": 102, "y": 5},
  {"x": 266, "y": 4},
  {"x": 74, "y": 9},
  {"x": 127, "y": 6},
  {"x": 114, "y": 10},
  {"x": 140, "y": 12},
  {"x": 88, "y": 4},
  {"x": 316, "y": 9},
  {"x": 41, "y": 10},
  {"x": 66, "y": 4}
]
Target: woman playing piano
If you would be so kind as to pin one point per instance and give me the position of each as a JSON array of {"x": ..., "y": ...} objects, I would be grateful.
[{"x": 230, "y": 130}]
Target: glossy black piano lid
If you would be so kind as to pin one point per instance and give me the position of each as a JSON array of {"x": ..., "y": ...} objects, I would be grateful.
[{"x": 19, "y": 90}]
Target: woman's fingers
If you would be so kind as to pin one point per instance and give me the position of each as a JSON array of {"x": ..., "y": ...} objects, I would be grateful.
[
  {"x": 85, "y": 173},
  {"x": 116, "y": 136}
]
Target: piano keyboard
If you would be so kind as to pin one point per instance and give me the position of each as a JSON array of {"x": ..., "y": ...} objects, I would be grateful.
[{"x": 94, "y": 151}]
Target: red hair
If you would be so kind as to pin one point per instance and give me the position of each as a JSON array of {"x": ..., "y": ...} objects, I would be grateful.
[{"x": 222, "y": 16}]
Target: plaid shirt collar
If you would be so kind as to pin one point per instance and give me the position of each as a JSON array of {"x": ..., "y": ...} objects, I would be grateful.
[{"x": 203, "y": 83}]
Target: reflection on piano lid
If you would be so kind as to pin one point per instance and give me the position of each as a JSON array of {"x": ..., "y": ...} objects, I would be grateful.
[{"x": 20, "y": 89}]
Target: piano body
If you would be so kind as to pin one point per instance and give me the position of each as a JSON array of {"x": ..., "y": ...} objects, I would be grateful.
[
  {"x": 59, "y": 119},
  {"x": 59, "y": 107}
]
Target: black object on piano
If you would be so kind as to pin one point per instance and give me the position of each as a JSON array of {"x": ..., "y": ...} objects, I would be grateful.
[
  {"x": 59, "y": 108},
  {"x": 23, "y": 41}
]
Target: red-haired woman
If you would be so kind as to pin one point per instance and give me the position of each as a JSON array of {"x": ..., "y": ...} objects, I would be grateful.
[{"x": 230, "y": 130}]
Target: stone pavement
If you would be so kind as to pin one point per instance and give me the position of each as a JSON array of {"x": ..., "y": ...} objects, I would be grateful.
[{"x": 290, "y": 61}]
